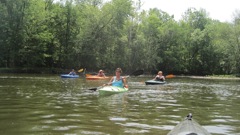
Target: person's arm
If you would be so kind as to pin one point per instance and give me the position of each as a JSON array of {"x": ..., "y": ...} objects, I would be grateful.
[
  {"x": 109, "y": 83},
  {"x": 125, "y": 82},
  {"x": 155, "y": 77}
]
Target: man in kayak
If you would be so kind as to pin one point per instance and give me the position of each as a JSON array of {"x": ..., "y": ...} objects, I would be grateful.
[
  {"x": 118, "y": 80},
  {"x": 72, "y": 72},
  {"x": 101, "y": 73},
  {"x": 159, "y": 77}
]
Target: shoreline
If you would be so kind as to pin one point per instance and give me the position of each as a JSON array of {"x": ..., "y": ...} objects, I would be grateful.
[
  {"x": 220, "y": 77},
  {"x": 215, "y": 77},
  {"x": 62, "y": 71}
]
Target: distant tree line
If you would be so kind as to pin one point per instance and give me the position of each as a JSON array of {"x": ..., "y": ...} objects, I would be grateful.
[{"x": 93, "y": 34}]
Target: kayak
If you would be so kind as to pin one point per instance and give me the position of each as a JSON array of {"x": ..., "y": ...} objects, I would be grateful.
[
  {"x": 69, "y": 76},
  {"x": 153, "y": 82},
  {"x": 111, "y": 90},
  {"x": 95, "y": 77},
  {"x": 188, "y": 127}
]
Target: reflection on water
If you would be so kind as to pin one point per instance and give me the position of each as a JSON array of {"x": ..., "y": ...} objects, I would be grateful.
[{"x": 43, "y": 104}]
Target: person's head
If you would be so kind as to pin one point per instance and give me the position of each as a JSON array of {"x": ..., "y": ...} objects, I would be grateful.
[
  {"x": 100, "y": 71},
  {"x": 118, "y": 70},
  {"x": 72, "y": 70},
  {"x": 160, "y": 72}
]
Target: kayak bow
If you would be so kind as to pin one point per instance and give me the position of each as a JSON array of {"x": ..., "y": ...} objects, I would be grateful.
[
  {"x": 188, "y": 127},
  {"x": 111, "y": 90}
]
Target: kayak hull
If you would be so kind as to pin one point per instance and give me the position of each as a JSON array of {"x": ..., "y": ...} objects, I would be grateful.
[
  {"x": 188, "y": 127},
  {"x": 153, "y": 82},
  {"x": 111, "y": 90},
  {"x": 96, "y": 78},
  {"x": 69, "y": 76}
]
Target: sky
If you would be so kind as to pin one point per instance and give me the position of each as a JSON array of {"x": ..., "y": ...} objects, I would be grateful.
[{"x": 221, "y": 10}]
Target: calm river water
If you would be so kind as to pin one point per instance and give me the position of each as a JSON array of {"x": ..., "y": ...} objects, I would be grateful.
[{"x": 47, "y": 104}]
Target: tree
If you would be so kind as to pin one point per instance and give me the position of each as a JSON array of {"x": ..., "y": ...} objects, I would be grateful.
[
  {"x": 235, "y": 42},
  {"x": 12, "y": 15},
  {"x": 197, "y": 42}
]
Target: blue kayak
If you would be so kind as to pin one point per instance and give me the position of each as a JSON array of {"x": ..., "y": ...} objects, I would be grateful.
[
  {"x": 69, "y": 76},
  {"x": 153, "y": 82}
]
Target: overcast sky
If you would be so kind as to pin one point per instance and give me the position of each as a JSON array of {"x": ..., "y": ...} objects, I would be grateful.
[{"x": 221, "y": 10}]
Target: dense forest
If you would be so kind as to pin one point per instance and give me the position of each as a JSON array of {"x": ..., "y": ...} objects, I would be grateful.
[{"x": 96, "y": 35}]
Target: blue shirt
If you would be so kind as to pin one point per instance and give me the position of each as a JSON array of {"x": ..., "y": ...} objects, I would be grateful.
[{"x": 118, "y": 83}]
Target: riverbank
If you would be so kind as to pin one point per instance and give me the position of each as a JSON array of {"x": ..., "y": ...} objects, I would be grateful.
[
  {"x": 222, "y": 77},
  {"x": 35, "y": 70},
  {"x": 61, "y": 71}
]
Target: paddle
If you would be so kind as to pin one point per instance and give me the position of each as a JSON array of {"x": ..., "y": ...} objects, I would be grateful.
[
  {"x": 135, "y": 73},
  {"x": 94, "y": 89},
  {"x": 80, "y": 70}
]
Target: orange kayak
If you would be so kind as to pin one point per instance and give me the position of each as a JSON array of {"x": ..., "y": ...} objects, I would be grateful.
[{"x": 95, "y": 77}]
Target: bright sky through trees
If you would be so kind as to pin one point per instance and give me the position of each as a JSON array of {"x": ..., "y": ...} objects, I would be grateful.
[{"x": 221, "y": 10}]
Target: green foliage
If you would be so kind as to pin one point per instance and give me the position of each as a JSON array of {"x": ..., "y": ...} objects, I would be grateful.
[{"x": 94, "y": 35}]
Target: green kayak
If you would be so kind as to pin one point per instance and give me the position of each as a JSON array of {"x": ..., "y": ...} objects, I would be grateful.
[{"x": 111, "y": 90}]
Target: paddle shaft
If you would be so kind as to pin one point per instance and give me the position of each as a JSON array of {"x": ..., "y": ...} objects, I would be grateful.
[{"x": 94, "y": 89}]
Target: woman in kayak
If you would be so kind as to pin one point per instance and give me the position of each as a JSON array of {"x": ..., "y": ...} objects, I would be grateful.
[
  {"x": 101, "y": 73},
  {"x": 159, "y": 77},
  {"x": 118, "y": 80}
]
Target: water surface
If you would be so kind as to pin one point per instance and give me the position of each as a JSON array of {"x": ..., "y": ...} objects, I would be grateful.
[{"x": 48, "y": 104}]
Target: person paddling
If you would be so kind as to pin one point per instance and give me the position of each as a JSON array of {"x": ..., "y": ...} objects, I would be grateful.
[
  {"x": 72, "y": 72},
  {"x": 101, "y": 73},
  {"x": 159, "y": 77},
  {"x": 118, "y": 80}
]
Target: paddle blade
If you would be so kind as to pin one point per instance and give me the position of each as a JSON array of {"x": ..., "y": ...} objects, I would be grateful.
[
  {"x": 94, "y": 89},
  {"x": 170, "y": 76},
  {"x": 80, "y": 70},
  {"x": 137, "y": 73}
]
